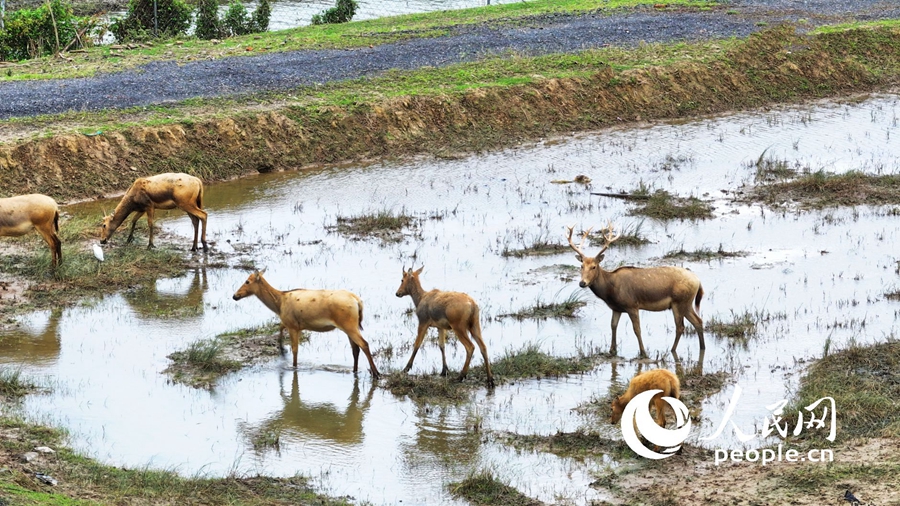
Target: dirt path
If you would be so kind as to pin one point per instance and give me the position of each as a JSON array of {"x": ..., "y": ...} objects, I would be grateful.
[{"x": 165, "y": 81}]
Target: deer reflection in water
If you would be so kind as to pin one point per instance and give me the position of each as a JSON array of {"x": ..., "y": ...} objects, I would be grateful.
[
  {"x": 26, "y": 346},
  {"x": 150, "y": 303},
  {"x": 303, "y": 420}
]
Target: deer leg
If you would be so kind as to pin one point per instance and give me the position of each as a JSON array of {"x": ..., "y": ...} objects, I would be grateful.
[
  {"x": 614, "y": 324},
  {"x": 357, "y": 338},
  {"x": 475, "y": 330},
  {"x": 281, "y": 339},
  {"x": 660, "y": 414},
  {"x": 462, "y": 335},
  {"x": 134, "y": 221},
  {"x": 355, "y": 348},
  {"x": 679, "y": 326},
  {"x": 195, "y": 221},
  {"x": 53, "y": 243},
  {"x": 150, "y": 244},
  {"x": 636, "y": 323},
  {"x": 295, "y": 342},
  {"x": 442, "y": 340},
  {"x": 197, "y": 214},
  {"x": 695, "y": 320},
  {"x": 423, "y": 329}
]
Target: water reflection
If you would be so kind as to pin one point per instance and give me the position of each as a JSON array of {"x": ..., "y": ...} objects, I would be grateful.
[
  {"x": 26, "y": 345},
  {"x": 299, "y": 420},
  {"x": 150, "y": 302}
]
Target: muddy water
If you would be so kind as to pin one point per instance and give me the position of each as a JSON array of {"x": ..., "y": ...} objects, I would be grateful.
[{"x": 822, "y": 275}]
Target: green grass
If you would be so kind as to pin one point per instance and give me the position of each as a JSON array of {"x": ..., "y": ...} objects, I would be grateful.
[
  {"x": 865, "y": 384},
  {"x": 768, "y": 169},
  {"x": 484, "y": 488},
  {"x": 541, "y": 310},
  {"x": 662, "y": 205},
  {"x": 822, "y": 189},
  {"x": 629, "y": 235},
  {"x": 13, "y": 384},
  {"x": 703, "y": 254},
  {"x": 345, "y": 35},
  {"x": 531, "y": 362},
  {"x": 539, "y": 247},
  {"x": 383, "y": 224}
]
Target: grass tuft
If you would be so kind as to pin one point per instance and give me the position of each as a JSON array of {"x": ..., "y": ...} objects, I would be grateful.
[
  {"x": 822, "y": 189},
  {"x": 13, "y": 385},
  {"x": 662, "y": 205},
  {"x": 384, "y": 224},
  {"x": 540, "y": 310},
  {"x": 484, "y": 488},
  {"x": 703, "y": 254}
]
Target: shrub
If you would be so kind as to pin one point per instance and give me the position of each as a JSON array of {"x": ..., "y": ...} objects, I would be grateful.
[
  {"x": 173, "y": 19},
  {"x": 342, "y": 12},
  {"x": 261, "y": 16},
  {"x": 237, "y": 21},
  {"x": 208, "y": 24},
  {"x": 30, "y": 33}
]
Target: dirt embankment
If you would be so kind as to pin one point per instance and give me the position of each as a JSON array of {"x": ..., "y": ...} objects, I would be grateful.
[{"x": 776, "y": 66}]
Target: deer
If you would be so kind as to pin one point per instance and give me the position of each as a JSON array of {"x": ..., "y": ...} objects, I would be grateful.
[
  {"x": 314, "y": 310},
  {"x": 654, "y": 379},
  {"x": 630, "y": 289},
  {"x": 23, "y": 213},
  {"x": 445, "y": 311},
  {"x": 162, "y": 191}
]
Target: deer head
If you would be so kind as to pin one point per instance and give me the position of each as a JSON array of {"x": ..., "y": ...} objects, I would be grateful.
[{"x": 590, "y": 266}]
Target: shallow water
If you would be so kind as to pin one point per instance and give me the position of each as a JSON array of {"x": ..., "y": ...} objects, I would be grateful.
[{"x": 823, "y": 274}]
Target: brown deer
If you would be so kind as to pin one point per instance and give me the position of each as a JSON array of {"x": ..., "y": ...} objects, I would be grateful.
[
  {"x": 630, "y": 289},
  {"x": 654, "y": 379},
  {"x": 314, "y": 310},
  {"x": 445, "y": 311},
  {"x": 23, "y": 213},
  {"x": 162, "y": 191}
]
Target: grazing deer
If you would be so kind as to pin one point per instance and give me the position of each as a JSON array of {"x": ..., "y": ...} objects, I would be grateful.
[
  {"x": 630, "y": 289},
  {"x": 445, "y": 311},
  {"x": 314, "y": 310},
  {"x": 22, "y": 213},
  {"x": 654, "y": 379},
  {"x": 162, "y": 191}
]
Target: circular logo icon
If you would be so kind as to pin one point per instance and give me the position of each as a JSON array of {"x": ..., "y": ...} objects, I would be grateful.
[{"x": 637, "y": 413}]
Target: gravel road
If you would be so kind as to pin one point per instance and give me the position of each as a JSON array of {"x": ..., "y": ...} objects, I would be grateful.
[{"x": 162, "y": 82}]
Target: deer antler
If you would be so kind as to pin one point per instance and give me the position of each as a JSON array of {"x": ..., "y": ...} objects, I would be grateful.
[
  {"x": 609, "y": 237},
  {"x": 572, "y": 244}
]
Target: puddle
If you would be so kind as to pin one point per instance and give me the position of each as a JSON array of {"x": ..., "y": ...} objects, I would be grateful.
[{"x": 105, "y": 357}]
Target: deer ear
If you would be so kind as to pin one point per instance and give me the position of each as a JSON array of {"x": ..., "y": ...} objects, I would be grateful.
[
  {"x": 578, "y": 257},
  {"x": 600, "y": 257},
  {"x": 419, "y": 270}
]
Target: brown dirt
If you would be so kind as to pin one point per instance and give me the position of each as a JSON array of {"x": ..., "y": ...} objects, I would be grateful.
[{"x": 778, "y": 65}]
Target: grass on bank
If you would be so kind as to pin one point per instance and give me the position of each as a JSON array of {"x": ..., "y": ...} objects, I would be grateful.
[
  {"x": 662, "y": 205},
  {"x": 355, "y": 34},
  {"x": 822, "y": 189},
  {"x": 485, "y": 488},
  {"x": 85, "y": 481},
  {"x": 703, "y": 254}
]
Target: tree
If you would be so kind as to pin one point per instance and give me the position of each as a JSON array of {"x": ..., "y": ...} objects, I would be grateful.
[{"x": 208, "y": 24}]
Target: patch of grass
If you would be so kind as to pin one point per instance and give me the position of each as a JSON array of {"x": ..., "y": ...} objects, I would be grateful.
[
  {"x": 703, "y": 254},
  {"x": 629, "y": 235},
  {"x": 539, "y": 247},
  {"x": 822, "y": 189},
  {"x": 430, "y": 387},
  {"x": 892, "y": 295},
  {"x": 865, "y": 384},
  {"x": 768, "y": 169},
  {"x": 531, "y": 362},
  {"x": 384, "y": 224},
  {"x": 814, "y": 478},
  {"x": 540, "y": 310},
  {"x": 13, "y": 385},
  {"x": 483, "y": 488},
  {"x": 662, "y": 205}
]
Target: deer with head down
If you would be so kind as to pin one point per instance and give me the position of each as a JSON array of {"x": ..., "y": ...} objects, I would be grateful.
[
  {"x": 23, "y": 213},
  {"x": 445, "y": 311},
  {"x": 313, "y": 310},
  {"x": 630, "y": 289},
  {"x": 162, "y": 191}
]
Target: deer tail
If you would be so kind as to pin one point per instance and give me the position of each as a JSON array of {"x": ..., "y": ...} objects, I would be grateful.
[
  {"x": 56, "y": 221},
  {"x": 200, "y": 197},
  {"x": 359, "y": 304},
  {"x": 698, "y": 298}
]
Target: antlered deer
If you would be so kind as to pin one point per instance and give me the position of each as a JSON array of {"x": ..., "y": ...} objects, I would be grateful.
[
  {"x": 22, "y": 213},
  {"x": 314, "y": 310},
  {"x": 630, "y": 289},
  {"x": 162, "y": 191},
  {"x": 654, "y": 379},
  {"x": 445, "y": 311}
]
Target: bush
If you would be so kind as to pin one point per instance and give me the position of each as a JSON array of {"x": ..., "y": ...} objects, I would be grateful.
[
  {"x": 261, "y": 16},
  {"x": 342, "y": 12},
  {"x": 173, "y": 19},
  {"x": 237, "y": 21},
  {"x": 30, "y": 33},
  {"x": 208, "y": 24}
]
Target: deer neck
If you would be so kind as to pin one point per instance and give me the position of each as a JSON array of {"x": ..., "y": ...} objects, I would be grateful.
[
  {"x": 416, "y": 291},
  {"x": 601, "y": 285},
  {"x": 270, "y": 296},
  {"x": 123, "y": 210}
]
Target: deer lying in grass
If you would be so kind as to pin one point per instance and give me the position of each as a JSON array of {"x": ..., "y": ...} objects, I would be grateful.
[
  {"x": 22, "y": 213},
  {"x": 654, "y": 379},
  {"x": 314, "y": 310},
  {"x": 445, "y": 311},
  {"x": 162, "y": 191},
  {"x": 630, "y": 289}
]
